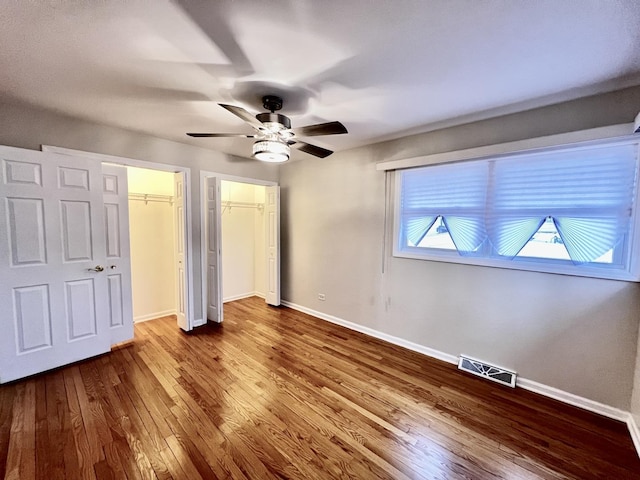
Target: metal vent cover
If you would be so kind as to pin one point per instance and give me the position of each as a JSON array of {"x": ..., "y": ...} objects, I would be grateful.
[{"x": 488, "y": 371}]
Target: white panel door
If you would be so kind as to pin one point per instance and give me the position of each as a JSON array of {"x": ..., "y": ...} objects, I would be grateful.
[
  {"x": 118, "y": 267},
  {"x": 53, "y": 288},
  {"x": 272, "y": 237},
  {"x": 214, "y": 250},
  {"x": 180, "y": 242}
]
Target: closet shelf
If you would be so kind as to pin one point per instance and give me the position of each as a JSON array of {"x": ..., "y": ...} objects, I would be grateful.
[
  {"x": 151, "y": 197},
  {"x": 229, "y": 204}
]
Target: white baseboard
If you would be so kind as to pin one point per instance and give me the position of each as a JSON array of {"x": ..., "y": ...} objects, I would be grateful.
[
  {"x": 634, "y": 430},
  {"x": 241, "y": 296},
  {"x": 153, "y": 316},
  {"x": 547, "y": 391},
  {"x": 445, "y": 357},
  {"x": 571, "y": 399}
]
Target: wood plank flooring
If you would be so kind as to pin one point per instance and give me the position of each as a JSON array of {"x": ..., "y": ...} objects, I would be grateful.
[{"x": 274, "y": 393}]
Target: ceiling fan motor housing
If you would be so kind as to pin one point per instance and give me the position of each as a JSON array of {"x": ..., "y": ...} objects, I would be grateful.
[{"x": 273, "y": 118}]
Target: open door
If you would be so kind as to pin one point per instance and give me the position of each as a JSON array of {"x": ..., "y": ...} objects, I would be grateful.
[
  {"x": 272, "y": 235},
  {"x": 180, "y": 242},
  {"x": 118, "y": 267},
  {"x": 53, "y": 281},
  {"x": 214, "y": 250}
]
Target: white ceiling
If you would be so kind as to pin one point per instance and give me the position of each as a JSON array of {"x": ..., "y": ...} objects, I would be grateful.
[{"x": 383, "y": 68}]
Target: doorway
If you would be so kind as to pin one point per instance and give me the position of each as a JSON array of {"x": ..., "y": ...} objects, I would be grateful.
[
  {"x": 240, "y": 241},
  {"x": 152, "y": 238},
  {"x": 243, "y": 240},
  {"x": 182, "y": 219}
]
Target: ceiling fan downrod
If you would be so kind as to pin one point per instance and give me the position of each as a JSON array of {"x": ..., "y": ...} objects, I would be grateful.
[
  {"x": 274, "y": 122},
  {"x": 272, "y": 103}
]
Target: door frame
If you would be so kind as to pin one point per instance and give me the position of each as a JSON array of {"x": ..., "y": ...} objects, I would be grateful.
[
  {"x": 203, "y": 216},
  {"x": 166, "y": 167}
]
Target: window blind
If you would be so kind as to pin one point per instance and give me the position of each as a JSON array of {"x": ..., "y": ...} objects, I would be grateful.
[
  {"x": 495, "y": 206},
  {"x": 587, "y": 192},
  {"x": 455, "y": 192}
]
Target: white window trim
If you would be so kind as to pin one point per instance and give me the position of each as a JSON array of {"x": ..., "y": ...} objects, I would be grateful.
[{"x": 631, "y": 273}]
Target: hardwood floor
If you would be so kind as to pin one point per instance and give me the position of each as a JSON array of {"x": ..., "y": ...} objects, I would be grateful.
[{"x": 274, "y": 393}]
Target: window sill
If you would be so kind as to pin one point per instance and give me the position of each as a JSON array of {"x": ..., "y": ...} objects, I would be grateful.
[{"x": 529, "y": 265}]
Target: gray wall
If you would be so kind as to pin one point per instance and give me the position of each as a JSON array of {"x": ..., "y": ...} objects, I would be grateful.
[
  {"x": 27, "y": 127},
  {"x": 576, "y": 334},
  {"x": 635, "y": 399}
]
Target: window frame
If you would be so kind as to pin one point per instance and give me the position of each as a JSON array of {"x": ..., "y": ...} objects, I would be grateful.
[{"x": 629, "y": 269}]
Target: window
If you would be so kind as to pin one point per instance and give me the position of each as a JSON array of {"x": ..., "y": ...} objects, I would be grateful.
[{"x": 565, "y": 210}]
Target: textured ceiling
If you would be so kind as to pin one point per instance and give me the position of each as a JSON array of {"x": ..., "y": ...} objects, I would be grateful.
[{"x": 383, "y": 68}]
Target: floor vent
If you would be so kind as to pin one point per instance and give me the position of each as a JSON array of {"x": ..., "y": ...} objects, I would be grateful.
[{"x": 485, "y": 370}]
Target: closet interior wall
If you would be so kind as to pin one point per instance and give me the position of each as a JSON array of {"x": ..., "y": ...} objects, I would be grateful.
[
  {"x": 152, "y": 233},
  {"x": 243, "y": 240}
]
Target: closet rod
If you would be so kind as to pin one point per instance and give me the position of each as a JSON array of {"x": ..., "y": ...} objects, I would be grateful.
[
  {"x": 151, "y": 197},
  {"x": 229, "y": 204}
]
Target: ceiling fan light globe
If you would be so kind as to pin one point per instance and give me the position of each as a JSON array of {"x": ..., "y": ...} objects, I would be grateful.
[
  {"x": 273, "y": 127},
  {"x": 285, "y": 134},
  {"x": 271, "y": 157},
  {"x": 271, "y": 151}
]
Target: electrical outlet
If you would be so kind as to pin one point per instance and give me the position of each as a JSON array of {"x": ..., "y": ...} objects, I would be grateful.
[{"x": 321, "y": 296}]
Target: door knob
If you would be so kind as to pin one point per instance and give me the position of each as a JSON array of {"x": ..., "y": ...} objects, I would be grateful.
[{"x": 97, "y": 268}]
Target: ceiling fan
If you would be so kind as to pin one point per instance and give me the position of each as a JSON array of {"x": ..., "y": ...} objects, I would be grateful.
[{"x": 274, "y": 135}]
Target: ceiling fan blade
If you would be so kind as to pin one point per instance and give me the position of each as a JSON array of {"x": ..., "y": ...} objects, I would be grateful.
[
  {"x": 329, "y": 128},
  {"x": 311, "y": 149},
  {"x": 199, "y": 135},
  {"x": 243, "y": 114}
]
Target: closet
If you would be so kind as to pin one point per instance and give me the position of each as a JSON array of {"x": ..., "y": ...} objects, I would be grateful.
[
  {"x": 243, "y": 240},
  {"x": 152, "y": 240}
]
